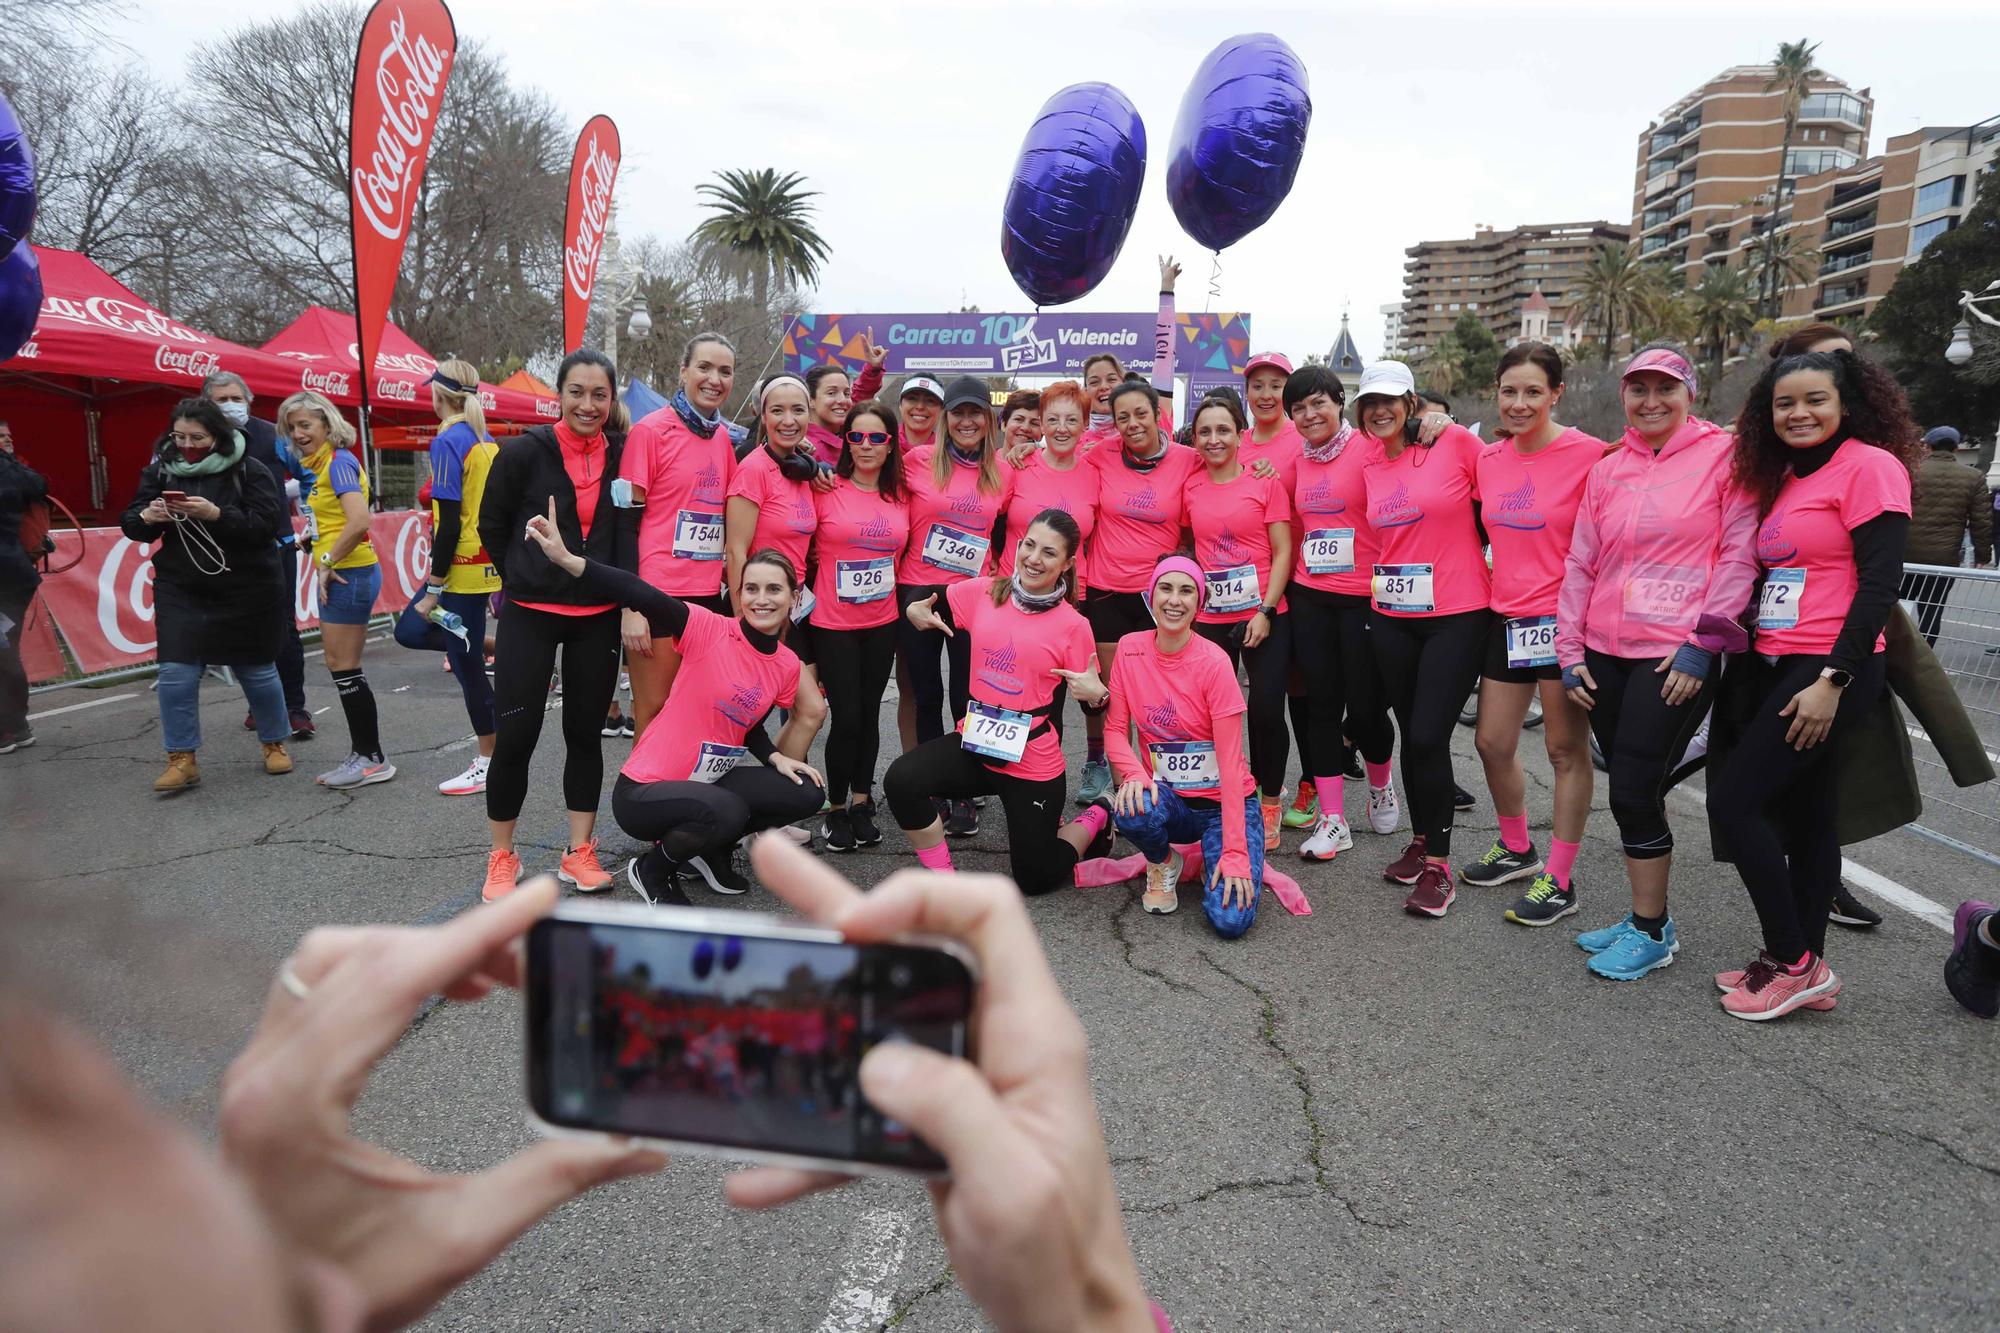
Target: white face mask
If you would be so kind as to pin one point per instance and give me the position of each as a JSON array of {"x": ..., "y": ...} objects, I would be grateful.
[{"x": 238, "y": 413}]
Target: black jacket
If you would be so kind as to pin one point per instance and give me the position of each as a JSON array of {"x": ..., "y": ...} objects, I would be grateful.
[
  {"x": 20, "y": 487},
  {"x": 526, "y": 473},
  {"x": 260, "y": 440}
]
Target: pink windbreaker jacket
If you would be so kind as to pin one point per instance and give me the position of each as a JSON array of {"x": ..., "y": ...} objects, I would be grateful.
[{"x": 1664, "y": 544}]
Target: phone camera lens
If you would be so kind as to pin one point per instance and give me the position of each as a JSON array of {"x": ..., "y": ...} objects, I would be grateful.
[{"x": 899, "y": 976}]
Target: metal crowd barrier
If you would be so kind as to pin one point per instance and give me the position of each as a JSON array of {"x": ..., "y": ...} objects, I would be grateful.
[{"x": 1958, "y": 610}]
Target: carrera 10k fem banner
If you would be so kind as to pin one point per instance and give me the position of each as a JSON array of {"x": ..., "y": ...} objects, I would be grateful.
[{"x": 1210, "y": 349}]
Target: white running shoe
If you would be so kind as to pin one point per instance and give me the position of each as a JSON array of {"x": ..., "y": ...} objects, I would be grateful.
[
  {"x": 1329, "y": 838},
  {"x": 469, "y": 783},
  {"x": 1162, "y": 885},
  {"x": 1384, "y": 810}
]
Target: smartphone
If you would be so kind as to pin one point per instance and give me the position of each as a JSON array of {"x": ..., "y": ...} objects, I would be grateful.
[
  {"x": 174, "y": 497},
  {"x": 732, "y": 1034}
]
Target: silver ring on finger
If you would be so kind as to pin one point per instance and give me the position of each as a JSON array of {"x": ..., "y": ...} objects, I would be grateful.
[{"x": 294, "y": 987}]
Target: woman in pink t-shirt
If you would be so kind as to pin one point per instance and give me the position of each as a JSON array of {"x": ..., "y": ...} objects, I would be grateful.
[
  {"x": 770, "y": 505},
  {"x": 1428, "y": 610},
  {"x": 1023, "y": 638},
  {"x": 1531, "y": 483},
  {"x": 1827, "y": 450}
]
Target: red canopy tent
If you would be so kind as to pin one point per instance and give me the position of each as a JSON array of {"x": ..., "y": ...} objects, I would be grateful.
[{"x": 102, "y": 371}]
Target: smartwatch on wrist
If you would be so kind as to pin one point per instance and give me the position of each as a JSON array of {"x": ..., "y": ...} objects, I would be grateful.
[{"x": 1839, "y": 679}]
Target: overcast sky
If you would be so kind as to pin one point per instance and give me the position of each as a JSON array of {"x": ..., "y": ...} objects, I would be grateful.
[{"x": 1427, "y": 119}]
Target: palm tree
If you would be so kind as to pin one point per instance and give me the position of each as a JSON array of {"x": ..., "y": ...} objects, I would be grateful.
[
  {"x": 763, "y": 221},
  {"x": 1778, "y": 260},
  {"x": 1444, "y": 367},
  {"x": 1608, "y": 293},
  {"x": 1792, "y": 74},
  {"x": 1725, "y": 311}
]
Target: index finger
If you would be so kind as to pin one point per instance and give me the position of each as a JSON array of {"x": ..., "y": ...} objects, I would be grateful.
[
  {"x": 984, "y": 912},
  {"x": 809, "y": 884}
]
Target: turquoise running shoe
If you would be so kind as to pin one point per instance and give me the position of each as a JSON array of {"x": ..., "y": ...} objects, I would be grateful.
[
  {"x": 1096, "y": 784},
  {"x": 1635, "y": 954},
  {"x": 1597, "y": 941}
]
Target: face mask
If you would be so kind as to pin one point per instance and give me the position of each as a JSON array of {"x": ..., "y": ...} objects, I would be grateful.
[{"x": 238, "y": 413}]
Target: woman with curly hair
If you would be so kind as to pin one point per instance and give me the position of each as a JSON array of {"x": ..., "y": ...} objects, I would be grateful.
[{"x": 1827, "y": 450}]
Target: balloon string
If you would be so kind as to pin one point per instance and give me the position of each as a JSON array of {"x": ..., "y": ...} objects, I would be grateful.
[{"x": 1214, "y": 281}]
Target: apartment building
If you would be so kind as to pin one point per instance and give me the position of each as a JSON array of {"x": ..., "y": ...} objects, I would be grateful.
[
  {"x": 1392, "y": 329},
  {"x": 1492, "y": 274}
]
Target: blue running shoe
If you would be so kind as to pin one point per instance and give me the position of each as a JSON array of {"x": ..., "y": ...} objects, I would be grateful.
[
  {"x": 1597, "y": 941},
  {"x": 1635, "y": 954},
  {"x": 1096, "y": 784}
]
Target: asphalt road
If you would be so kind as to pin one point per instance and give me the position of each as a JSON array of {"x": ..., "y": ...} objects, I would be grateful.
[{"x": 1352, "y": 1120}]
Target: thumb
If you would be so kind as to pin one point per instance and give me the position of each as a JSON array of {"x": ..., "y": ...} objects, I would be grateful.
[
  {"x": 498, "y": 1204},
  {"x": 945, "y": 1100}
]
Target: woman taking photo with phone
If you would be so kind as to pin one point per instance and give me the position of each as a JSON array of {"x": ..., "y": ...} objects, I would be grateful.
[
  {"x": 1532, "y": 482},
  {"x": 217, "y": 599},
  {"x": 678, "y": 462},
  {"x": 1023, "y": 639},
  {"x": 1660, "y": 566},
  {"x": 571, "y": 465},
  {"x": 1179, "y": 690},
  {"x": 1428, "y": 613},
  {"x": 346, "y": 571},
  {"x": 1827, "y": 452}
]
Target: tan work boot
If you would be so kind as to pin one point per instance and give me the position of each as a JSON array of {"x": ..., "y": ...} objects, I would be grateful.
[
  {"x": 180, "y": 773},
  {"x": 276, "y": 761}
]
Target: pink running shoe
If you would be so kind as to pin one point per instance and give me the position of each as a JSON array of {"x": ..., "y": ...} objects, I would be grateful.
[
  {"x": 579, "y": 867},
  {"x": 1733, "y": 980},
  {"x": 1769, "y": 991}
]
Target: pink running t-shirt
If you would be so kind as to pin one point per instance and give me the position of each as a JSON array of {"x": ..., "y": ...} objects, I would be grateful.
[
  {"x": 724, "y": 688},
  {"x": 1429, "y": 561},
  {"x": 786, "y": 515},
  {"x": 1336, "y": 551},
  {"x": 686, "y": 480},
  {"x": 860, "y": 539},
  {"x": 1139, "y": 515},
  {"x": 1232, "y": 541},
  {"x": 1283, "y": 449},
  {"x": 1528, "y": 503},
  {"x": 1805, "y": 546},
  {"x": 1037, "y": 486},
  {"x": 951, "y": 530},
  {"x": 1014, "y": 657}
]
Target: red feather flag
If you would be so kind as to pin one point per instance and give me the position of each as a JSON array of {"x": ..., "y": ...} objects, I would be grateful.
[{"x": 592, "y": 172}]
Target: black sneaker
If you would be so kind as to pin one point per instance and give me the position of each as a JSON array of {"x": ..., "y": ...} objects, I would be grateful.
[
  {"x": 1461, "y": 799},
  {"x": 1973, "y": 968},
  {"x": 303, "y": 725},
  {"x": 11, "y": 741},
  {"x": 1851, "y": 912},
  {"x": 862, "y": 817},
  {"x": 1501, "y": 865},
  {"x": 1545, "y": 902},
  {"x": 837, "y": 830},
  {"x": 1350, "y": 763},
  {"x": 656, "y": 878},
  {"x": 963, "y": 821},
  {"x": 718, "y": 869},
  {"x": 627, "y": 727},
  {"x": 611, "y": 727}
]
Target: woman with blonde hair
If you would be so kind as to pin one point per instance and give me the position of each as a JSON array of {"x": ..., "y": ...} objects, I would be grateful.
[{"x": 347, "y": 575}]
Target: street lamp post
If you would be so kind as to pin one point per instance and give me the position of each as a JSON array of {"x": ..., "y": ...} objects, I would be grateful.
[{"x": 1959, "y": 351}]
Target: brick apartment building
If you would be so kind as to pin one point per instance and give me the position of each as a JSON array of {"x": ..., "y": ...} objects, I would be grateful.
[{"x": 1492, "y": 274}]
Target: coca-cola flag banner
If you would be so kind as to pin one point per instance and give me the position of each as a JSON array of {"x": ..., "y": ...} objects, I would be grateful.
[
  {"x": 592, "y": 173},
  {"x": 400, "y": 70}
]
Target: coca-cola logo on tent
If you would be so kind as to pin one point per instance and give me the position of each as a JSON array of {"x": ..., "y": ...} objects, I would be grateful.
[
  {"x": 332, "y": 383},
  {"x": 194, "y": 364},
  {"x": 593, "y": 171},
  {"x": 108, "y": 312}
]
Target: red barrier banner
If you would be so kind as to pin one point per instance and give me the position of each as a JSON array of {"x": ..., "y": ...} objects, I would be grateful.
[
  {"x": 41, "y": 655},
  {"x": 593, "y": 169},
  {"x": 400, "y": 69}
]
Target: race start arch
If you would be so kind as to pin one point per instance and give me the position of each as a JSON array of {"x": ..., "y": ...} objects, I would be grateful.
[{"x": 1209, "y": 348}]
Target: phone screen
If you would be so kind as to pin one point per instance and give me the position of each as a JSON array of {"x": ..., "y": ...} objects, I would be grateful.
[{"x": 736, "y": 1040}]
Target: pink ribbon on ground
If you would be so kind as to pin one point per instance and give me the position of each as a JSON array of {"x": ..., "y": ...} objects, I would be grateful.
[{"x": 1105, "y": 870}]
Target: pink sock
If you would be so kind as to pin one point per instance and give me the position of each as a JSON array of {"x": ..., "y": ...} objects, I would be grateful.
[
  {"x": 1092, "y": 818},
  {"x": 935, "y": 858},
  {"x": 1378, "y": 774},
  {"x": 1562, "y": 858},
  {"x": 1332, "y": 795},
  {"x": 1514, "y": 833}
]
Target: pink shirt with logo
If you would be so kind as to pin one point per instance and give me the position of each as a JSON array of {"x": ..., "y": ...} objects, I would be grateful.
[
  {"x": 686, "y": 480},
  {"x": 1038, "y": 486},
  {"x": 1232, "y": 528},
  {"x": 1806, "y": 546},
  {"x": 786, "y": 515},
  {"x": 1014, "y": 657},
  {"x": 1283, "y": 449},
  {"x": 1330, "y": 501},
  {"x": 1186, "y": 696},
  {"x": 1420, "y": 505},
  {"x": 1661, "y": 539},
  {"x": 858, "y": 532},
  {"x": 724, "y": 688},
  {"x": 1139, "y": 515},
  {"x": 1528, "y": 504},
  {"x": 948, "y": 522}
]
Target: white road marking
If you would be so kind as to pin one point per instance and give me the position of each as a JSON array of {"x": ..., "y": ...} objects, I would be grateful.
[
  {"x": 863, "y": 1296},
  {"x": 1917, "y": 734},
  {"x": 72, "y": 708}
]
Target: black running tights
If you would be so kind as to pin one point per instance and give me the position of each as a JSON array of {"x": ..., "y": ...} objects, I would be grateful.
[
  {"x": 1270, "y": 670},
  {"x": 690, "y": 819},
  {"x": 1332, "y": 650},
  {"x": 1428, "y": 664},
  {"x": 524, "y": 662},
  {"x": 1642, "y": 737},
  {"x": 1039, "y": 860},
  {"x": 854, "y": 671}
]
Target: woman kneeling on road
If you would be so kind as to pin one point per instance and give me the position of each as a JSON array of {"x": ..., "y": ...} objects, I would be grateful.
[
  {"x": 1024, "y": 638},
  {"x": 685, "y": 788},
  {"x": 1180, "y": 690}
]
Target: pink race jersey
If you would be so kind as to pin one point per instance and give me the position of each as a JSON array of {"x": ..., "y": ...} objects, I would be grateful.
[
  {"x": 686, "y": 480},
  {"x": 786, "y": 515},
  {"x": 1232, "y": 541},
  {"x": 860, "y": 539},
  {"x": 1336, "y": 551},
  {"x": 1806, "y": 547},
  {"x": 1529, "y": 505},
  {"x": 1038, "y": 486},
  {"x": 951, "y": 530},
  {"x": 724, "y": 688},
  {"x": 1014, "y": 657},
  {"x": 1283, "y": 449},
  {"x": 1139, "y": 515},
  {"x": 1429, "y": 561}
]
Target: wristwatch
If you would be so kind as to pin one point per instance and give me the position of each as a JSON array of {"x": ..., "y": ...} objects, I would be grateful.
[
  {"x": 1270, "y": 613},
  {"x": 1839, "y": 679}
]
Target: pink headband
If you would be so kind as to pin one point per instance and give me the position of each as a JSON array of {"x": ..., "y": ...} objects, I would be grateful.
[
  {"x": 1179, "y": 564},
  {"x": 1666, "y": 362}
]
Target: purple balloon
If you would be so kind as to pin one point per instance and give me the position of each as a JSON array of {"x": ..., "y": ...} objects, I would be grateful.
[
  {"x": 1075, "y": 188},
  {"x": 20, "y": 298},
  {"x": 17, "y": 182},
  {"x": 704, "y": 959},
  {"x": 1238, "y": 139}
]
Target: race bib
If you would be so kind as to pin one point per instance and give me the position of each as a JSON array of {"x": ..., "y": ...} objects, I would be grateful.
[
  {"x": 997, "y": 733},
  {"x": 858, "y": 581},
  {"x": 1665, "y": 594},
  {"x": 715, "y": 760},
  {"x": 954, "y": 551},
  {"x": 1233, "y": 589},
  {"x": 1531, "y": 642},
  {"x": 1778, "y": 606},
  {"x": 1404, "y": 588},
  {"x": 1185, "y": 765},
  {"x": 697, "y": 535},
  {"x": 1329, "y": 551}
]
